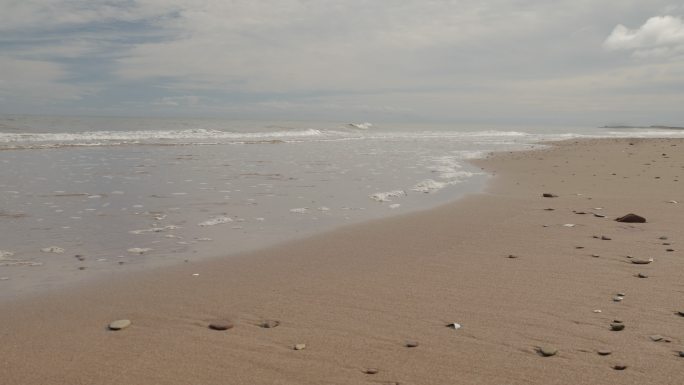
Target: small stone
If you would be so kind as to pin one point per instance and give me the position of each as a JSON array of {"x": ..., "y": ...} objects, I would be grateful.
[
  {"x": 642, "y": 261},
  {"x": 221, "y": 325},
  {"x": 631, "y": 218},
  {"x": 681, "y": 353},
  {"x": 269, "y": 324},
  {"x": 411, "y": 344},
  {"x": 370, "y": 371},
  {"x": 619, "y": 366},
  {"x": 547, "y": 351},
  {"x": 549, "y": 195},
  {"x": 666, "y": 243},
  {"x": 616, "y": 327},
  {"x": 669, "y": 250},
  {"x": 511, "y": 256},
  {"x": 579, "y": 247},
  {"x": 604, "y": 352},
  {"x": 681, "y": 313},
  {"x": 595, "y": 255},
  {"x": 663, "y": 238},
  {"x": 299, "y": 347},
  {"x": 81, "y": 268},
  {"x": 656, "y": 337},
  {"x": 621, "y": 294},
  {"x": 617, "y": 299},
  {"x": 599, "y": 215},
  {"x": 119, "y": 324},
  {"x": 454, "y": 326},
  {"x": 549, "y": 209},
  {"x": 642, "y": 275},
  {"x": 597, "y": 311},
  {"x": 605, "y": 238}
]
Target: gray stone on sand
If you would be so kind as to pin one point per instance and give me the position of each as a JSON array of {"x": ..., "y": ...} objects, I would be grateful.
[
  {"x": 656, "y": 337},
  {"x": 604, "y": 352},
  {"x": 119, "y": 324},
  {"x": 631, "y": 218},
  {"x": 221, "y": 325},
  {"x": 549, "y": 195},
  {"x": 299, "y": 347},
  {"x": 616, "y": 327},
  {"x": 681, "y": 353},
  {"x": 411, "y": 344},
  {"x": 269, "y": 324},
  {"x": 642, "y": 275},
  {"x": 605, "y": 238},
  {"x": 641, "y": 261},
  {"x": 619, "y": 366},
  {"x": 547, "y": 351},
  {"x": 370, "y": 371}
]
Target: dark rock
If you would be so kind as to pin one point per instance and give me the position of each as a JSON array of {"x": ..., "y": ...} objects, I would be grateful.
[
  {"x": 642, "y": 275},
  {"x": 641, "y": 261},
  {"x": 411, "y": 344},
  {"x": 370, "y": 371},
  {"x": 605, "y": 238},
  {"x": 549, "y": 195},
  {"x": 616, "y": 327},
  {"x": 119, "y": 324},
  {"x": 221, "y": 325},
  {"x": 619, "y": 366},
  {"x": 631, "y": 218},
  {"x": 599, "y": 215},
  {"x": 670, "y": 250},
  {"x": 604, "y": 352}
]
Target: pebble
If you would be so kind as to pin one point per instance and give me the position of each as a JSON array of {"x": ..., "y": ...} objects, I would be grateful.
[
  {"x": 642, "y": 275},
  {"x": 631, "y": 218},
  {"x": 512, "y": 256},
  {"x": 619, "y": 366},
  {"x": 597, "y": 311},
  {"x": 603, "y": 237},
  {"x": 221, "y": 325},
  {"x": 119, "y": 324},
  {"x": 270, "y": 324},
  {"x": 617, "y": 299},
  {"x": 599, "y": 215},
  {"x": 681, "y": 313},
  {"x": 547, "y": 351},
  {"x": 595, "y": 255},
  {"x": 663, "y": 238},
  {"x": 616, "y": 327},
  {"x": 642, "y": 261},
  {"x": 370, "y": 371},
  {"x": 656, "y": 337},
  {"x": 454, "y": 326},
  {"x": 299, "y": 347},
  {"x": 669, "y": 250},
  {"x": 621, "y": 294},
  {"x": 681, "y": 353},
  {"x": 604, "y": 352},
  {"x": 549, "y": 195},
  {"x": 411, "y": 344}
]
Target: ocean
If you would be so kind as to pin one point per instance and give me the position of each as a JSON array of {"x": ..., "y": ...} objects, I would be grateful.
[{"x": 83, "y": 197}]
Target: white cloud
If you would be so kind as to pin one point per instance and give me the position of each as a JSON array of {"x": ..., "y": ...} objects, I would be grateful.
[{"x": 659, "y": 36}]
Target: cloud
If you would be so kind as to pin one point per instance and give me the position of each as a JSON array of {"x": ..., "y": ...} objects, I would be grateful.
[{"x": 659, "y": 36}]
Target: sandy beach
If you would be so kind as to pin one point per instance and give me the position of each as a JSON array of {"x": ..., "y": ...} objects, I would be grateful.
[{"x": 514, "y": 274}]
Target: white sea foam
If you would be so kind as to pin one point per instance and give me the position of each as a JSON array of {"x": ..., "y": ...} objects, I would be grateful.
[
  {"x": 215, "y": 221},
  {"x": 430, "y": 185},
  {"x": 387, "y": 196},
  {"x": 4, "y": 254},
  {"x": 52, "y": 249},
  {"x": 139, "y": 250},
  {"x": 300, "y": 210}
]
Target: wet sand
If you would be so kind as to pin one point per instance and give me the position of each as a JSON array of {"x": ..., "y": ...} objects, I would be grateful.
[{"x": 356, "y": 295}]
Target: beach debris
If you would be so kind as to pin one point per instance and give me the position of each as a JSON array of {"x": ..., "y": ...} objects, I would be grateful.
[
  {"x": 656, "y": 337},
  {"x": 119, "y": 324},
  {"x": 52, "y": 249},
  {"x": 617, "y": 326},
  {"x": 547, "y": 351},
  {"x": 642, "y": 261},
  {"x": 642, "y": 275},
  {"x": 269, "y": 324},
  {"x": 370, "y": 370},
  {"x": 549, "y": 195},
  {"x": 604, "y": 352},
  {"x": 299, "y": 347},
  {"x": 411, "y": 344},
  {"x": 221, "y": 325},
  {"x": 139, "y": 250},
  {"x": 215, "y": 221},
  {"x": 631, "y": 218},
  {"x": 619, "y": 366},
  {"x": 454, "y": 326}
]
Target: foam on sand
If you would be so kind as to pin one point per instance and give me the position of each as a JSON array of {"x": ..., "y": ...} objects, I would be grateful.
[
  {"x": 215, "y": 221},
  {"x": 387, "y": 196}
]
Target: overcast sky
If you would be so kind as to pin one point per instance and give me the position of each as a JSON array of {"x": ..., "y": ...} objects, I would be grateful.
[{"x": 490, "y": 61}]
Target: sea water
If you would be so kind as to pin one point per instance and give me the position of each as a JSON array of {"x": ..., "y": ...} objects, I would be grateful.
[{"x": 80, "y": 196}]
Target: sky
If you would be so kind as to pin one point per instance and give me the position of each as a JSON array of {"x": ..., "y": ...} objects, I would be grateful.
[{"x": 487, "y": 61}]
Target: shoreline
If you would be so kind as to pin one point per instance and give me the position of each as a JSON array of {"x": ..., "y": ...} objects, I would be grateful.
[{"x": 356, "y": 294}]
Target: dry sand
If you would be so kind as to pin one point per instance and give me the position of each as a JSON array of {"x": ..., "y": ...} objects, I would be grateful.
[{"x": 356, "y": 295}]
